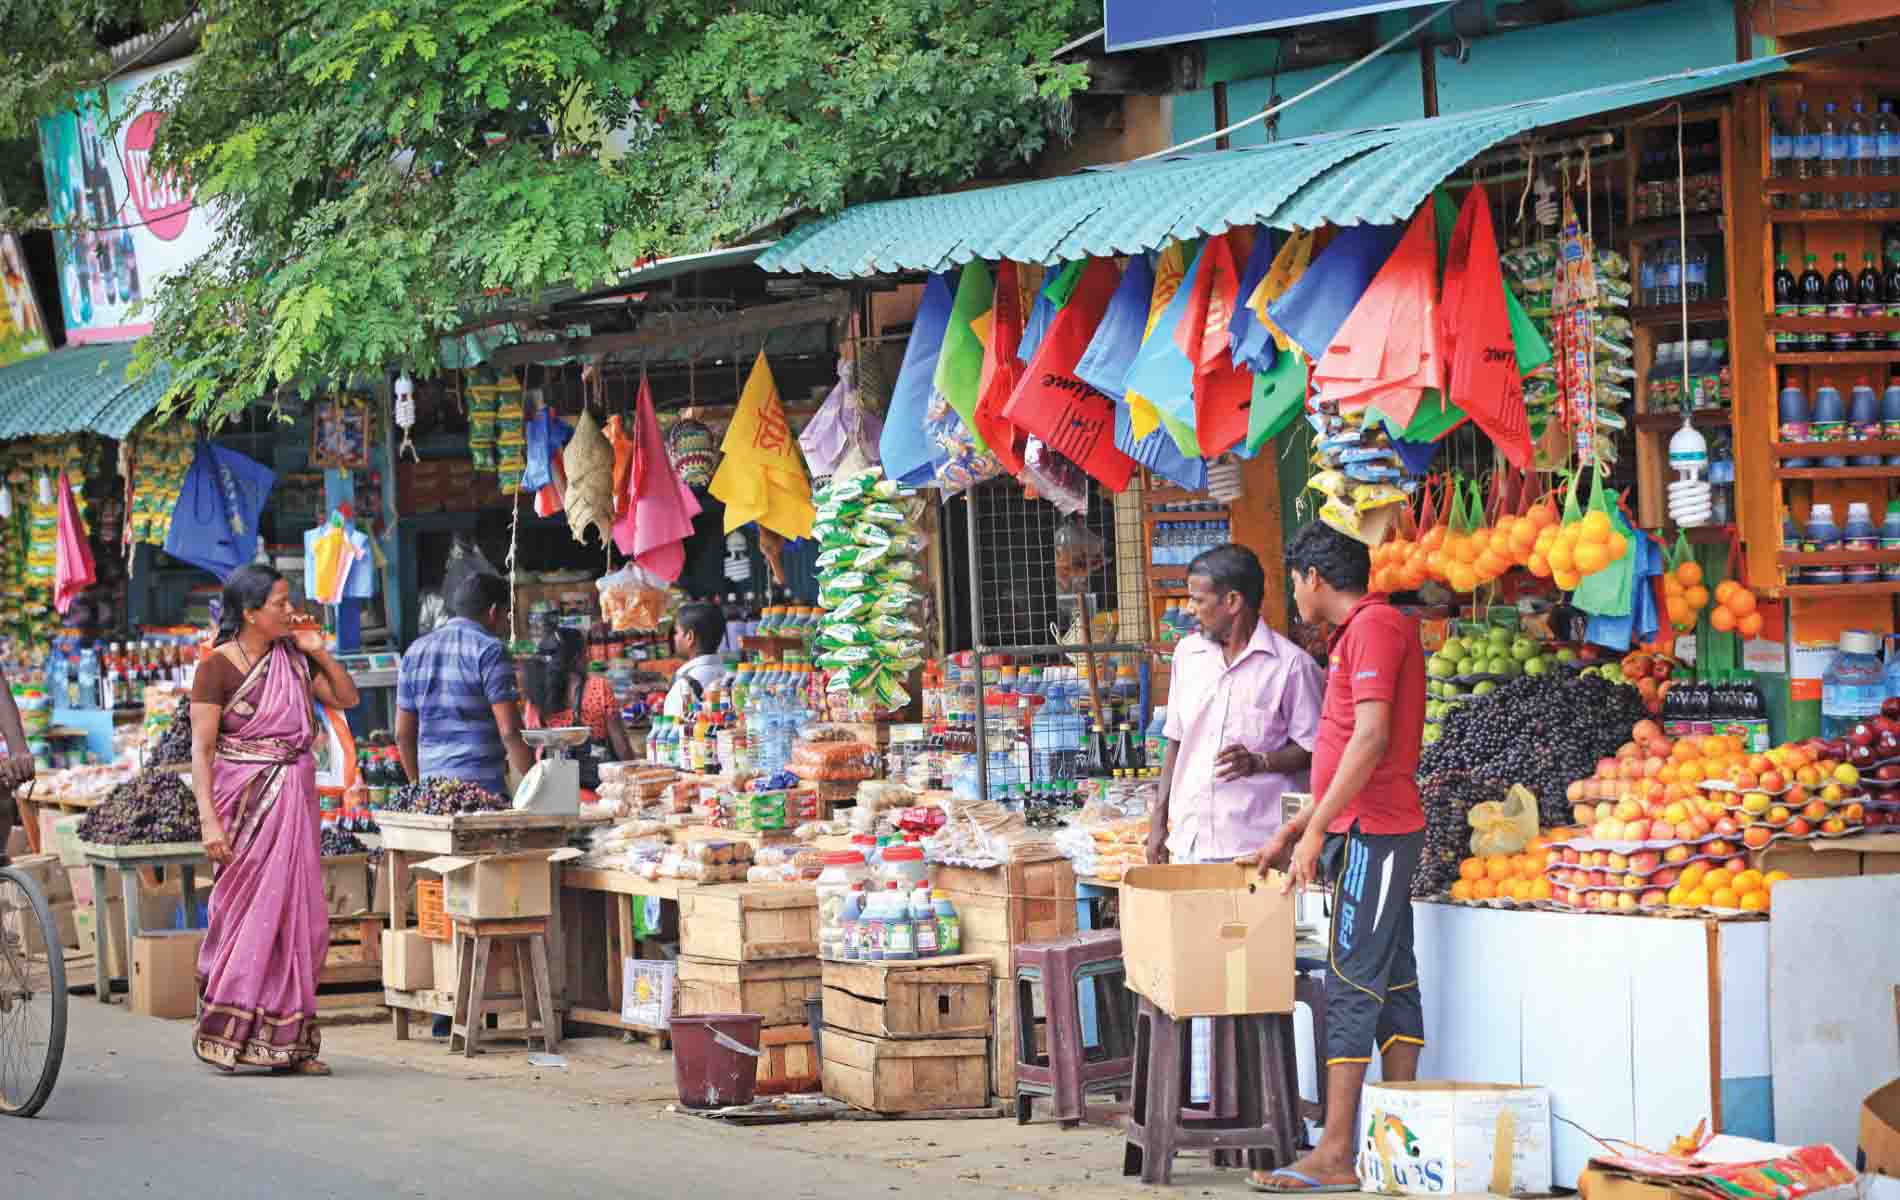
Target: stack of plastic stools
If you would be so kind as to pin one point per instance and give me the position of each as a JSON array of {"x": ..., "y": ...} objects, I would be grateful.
[
  {"x": 1256, "y": 1106},
  {"x": 1075, "y": 1023}
]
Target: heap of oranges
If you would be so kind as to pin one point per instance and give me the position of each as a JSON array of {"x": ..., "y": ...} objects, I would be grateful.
[
  {"x": 1685, "y": 594},
  {"x": 1518, "y": 878},
  {"x": 1735, "y": 610},
  {"x": 1467, "y": 560},
  {"x": 1567, "y": 553},
  {"x": 1701, "y": 887}
]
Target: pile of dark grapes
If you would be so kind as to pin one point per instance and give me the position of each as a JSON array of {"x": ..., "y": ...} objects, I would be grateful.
[
  {"x": 1543, "y": 731},
  {"x": 336, "y": 841},
  {"x": 441, "y": 797},
  {"x": 1448, "y": 796},
  {"x": 153, "y": 806},
  {"x": 174, "y": 745}
]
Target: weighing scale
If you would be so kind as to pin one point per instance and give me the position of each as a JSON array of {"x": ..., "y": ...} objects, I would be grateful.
[{"x": 554, "y": 783}]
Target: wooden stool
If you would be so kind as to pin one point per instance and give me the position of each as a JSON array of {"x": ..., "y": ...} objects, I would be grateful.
[
  {"x": 1265, "y": 1099},
  {"x": 526, "y": 939}
]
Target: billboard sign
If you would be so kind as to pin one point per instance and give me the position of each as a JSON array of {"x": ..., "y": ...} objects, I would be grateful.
[
  {"x": 119, "y": 229},
  {"x": 1133, "y": 24},
  {"x": 22, "y": 326}
]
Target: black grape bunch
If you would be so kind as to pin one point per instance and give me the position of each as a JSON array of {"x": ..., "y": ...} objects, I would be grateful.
[
  {"x": 174, "y": 745},
  {"x": 440, "y": 797},
  {"x": 1447, "y": 797},
  {"x": 153, "y": 807}
]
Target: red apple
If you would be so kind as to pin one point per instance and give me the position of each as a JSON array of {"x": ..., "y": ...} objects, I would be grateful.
[
  {"x": 1890, "y": 708},
  {"x": 1799, "y": 827},
  {"x": 1645, "y": 861},
  {"x": 1666, "y": 877},
  {"x": 1726, "y": 827},
  {"x": 1663, "y": 831},
  {"x": 1861, "y": 734},
  {"x": 1676, "y": 854},
  {"x": 1718, "y": 849},
  {"x": 1653, "y": 898},
  {"x": 1757, "y": 837}
]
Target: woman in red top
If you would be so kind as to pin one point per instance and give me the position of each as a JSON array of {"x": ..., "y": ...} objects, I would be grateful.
[{"x": 561, "y": 692}]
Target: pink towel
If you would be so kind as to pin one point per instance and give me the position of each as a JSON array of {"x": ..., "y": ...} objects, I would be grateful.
[
  {"x": 73, "y": 573},
  {"x": 654, "y": 528}
]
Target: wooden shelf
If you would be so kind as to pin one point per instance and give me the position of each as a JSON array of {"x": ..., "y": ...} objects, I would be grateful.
[
  {"x": 1834, "y": 358},
  {"x": 1835, "y": 558},
  {"x": 1707, "y": 535},
  {"x": 1833, "y": 216},
  {"x": 1834, "y": 186},
  {"x": 1817, "y": 449},
  {"x": 1669, "y": 422},
  {"x": 1702, "y": 312},
  {"x": 1830, "y": 325},
  {"x": 1827, "y": 591},
  {"x": 1837, "y": 473},
  {"x": 1700, "y": 224}
]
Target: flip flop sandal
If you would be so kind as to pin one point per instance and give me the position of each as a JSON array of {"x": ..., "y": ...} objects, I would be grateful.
[{"x": 1308, "y": 1185}]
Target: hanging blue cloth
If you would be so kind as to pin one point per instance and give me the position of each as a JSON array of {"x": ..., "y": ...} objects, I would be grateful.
[
  {"x": 1104, "y": 365},
  {"x": 1318, "y": 303},
  {"x": 1158, "y": 453},
  {"x": 214, "y": 523},
  {"x": 905, "y": 447},
  {"x": 546, "y": 433},
  {"x": 1250, "y": 341}
]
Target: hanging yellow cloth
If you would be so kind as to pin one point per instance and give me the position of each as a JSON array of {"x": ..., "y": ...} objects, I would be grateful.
[
  {"x": 1288, "y": 265},
  {"x": 761, "y": 476}
]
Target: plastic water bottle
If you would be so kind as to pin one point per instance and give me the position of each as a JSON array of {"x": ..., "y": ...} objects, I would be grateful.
[
  {"x": 1822, "y": 536},
  {"x": 1646, "y": 276},
  {"x": 1830, "y": 422},
  {"x": 1807, "y": 152},
  {"x": 56, "y": 678},
  {"x": 1057, "y": 736},
  {"x": 1853, "y": 685},
  {"x": 1668, "y": 275},
  {"x": 1859, "y": 535},
  {"x": 1835, "y": 162},
  {"x": 1860, "y": 149},
  {"x": 1863, "y": 420},
  {"x": 89, "y": 678},
  {"x": 1695, "y": 271},
  {"x": 1886, "y": 151},
  {"x": 1780, "y": 154}
]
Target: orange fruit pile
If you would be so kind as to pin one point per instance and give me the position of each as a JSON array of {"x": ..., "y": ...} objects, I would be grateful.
[
  {"x": 1749, "y": 891},
  {"x": 1461, "y": 560},
  {"x": 1735, "y": 610},
  {"x": 1567, "y": 553},
  {"x": 1685, "y": 594},
  {"x": 1515, "y": 877}
]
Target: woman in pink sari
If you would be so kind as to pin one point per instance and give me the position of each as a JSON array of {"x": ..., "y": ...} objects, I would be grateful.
[{"x": 252, "y": 726}]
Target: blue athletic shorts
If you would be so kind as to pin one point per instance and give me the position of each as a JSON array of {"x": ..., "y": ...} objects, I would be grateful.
[{"x": 1372, "y": 978}]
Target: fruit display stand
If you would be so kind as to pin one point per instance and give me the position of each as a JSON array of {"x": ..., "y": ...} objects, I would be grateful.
[
  {"x": 411, "y": 837},
  {"x": 127, "y": 861}
]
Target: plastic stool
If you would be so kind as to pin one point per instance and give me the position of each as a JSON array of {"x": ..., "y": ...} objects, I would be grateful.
[
  {"x": 1265, "y": 1113},
  {"x": 526, "y": 938},
  {"x": 1086, "y": 1027}
]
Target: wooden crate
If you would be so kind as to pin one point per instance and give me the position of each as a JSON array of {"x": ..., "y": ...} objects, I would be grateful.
[
  {"x": 775, "y": 990},
  {"x": 749, "y": 922},
  {"x": 889, "y": 1075},
  {"x": 929, "y": 998},
  {"x": 346, "y": 888},
  {"x": 1003, "y": 1062},
  {"x": 788, "y": 1062},
  {"x": 473, "y": 833}
]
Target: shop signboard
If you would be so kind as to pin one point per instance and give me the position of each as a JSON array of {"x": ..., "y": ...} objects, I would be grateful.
[
  {"x": 1133, "y": 24},
  {"x": 22, "y": 326},
  {"x": 119, "y": 227}
]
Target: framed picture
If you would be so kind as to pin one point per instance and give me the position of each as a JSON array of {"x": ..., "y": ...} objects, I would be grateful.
[{"x": 339, "y": 435}]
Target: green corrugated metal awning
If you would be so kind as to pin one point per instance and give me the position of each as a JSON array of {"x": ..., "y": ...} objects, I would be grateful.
[
  {"x": 75, "y": 390},
  {"x": 1367, "y": 176}
]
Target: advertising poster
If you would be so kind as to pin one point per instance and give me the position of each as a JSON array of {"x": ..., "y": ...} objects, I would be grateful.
[
  {"x": 119, "y": 229},
  {"x": 22, "y": 327}
]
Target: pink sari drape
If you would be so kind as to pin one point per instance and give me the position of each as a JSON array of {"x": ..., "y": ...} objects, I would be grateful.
[{"x": 269, "y": 930}]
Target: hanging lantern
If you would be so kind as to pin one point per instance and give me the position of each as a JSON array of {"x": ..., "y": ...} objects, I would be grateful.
[
  {"x": 1223, "y": 479},
  {"x": 406, "y": 414}
]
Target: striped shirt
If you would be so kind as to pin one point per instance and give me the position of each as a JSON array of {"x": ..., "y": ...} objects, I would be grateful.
[{"x": 449, "y": 679}]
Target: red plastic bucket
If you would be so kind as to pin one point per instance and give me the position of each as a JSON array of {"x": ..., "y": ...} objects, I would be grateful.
[{"x": 716, "y": 1058}]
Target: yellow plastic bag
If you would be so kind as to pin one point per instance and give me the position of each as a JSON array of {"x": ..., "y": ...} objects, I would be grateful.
[{"x": 1504, "y": 826}]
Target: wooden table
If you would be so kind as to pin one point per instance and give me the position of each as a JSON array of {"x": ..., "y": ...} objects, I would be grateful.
[
  {"x": 411, "y": 837},
  {"x": 616, "y": 943},
  {"x": 127, "y": 861}
]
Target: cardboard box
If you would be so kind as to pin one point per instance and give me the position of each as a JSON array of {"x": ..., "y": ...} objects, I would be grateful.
[
  {"x": 1439, "y": 1138},
  {"x": 495, "y": 887},
  {"x": 46, "y": 871},
  {"x": 890, "y": 1076},
  {"x": 1598, "y": 1184},
  {"x": 1208, "y": 941},
  {"x": 1880, "y": 1130},
  {"x": 24, "y": 923},
  {"x": 165, "y": 974},
  {"x": 442, "y": 965},
  {"x": 776, "y": 990},
  {"x": 408, "y": 960},
  {"x": 929, "y": 998},
  {"x": 346, "y": 884},
  {"x": 749, "y": 922}
]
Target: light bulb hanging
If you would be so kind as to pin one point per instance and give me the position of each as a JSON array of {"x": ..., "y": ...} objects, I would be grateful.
[{"x": 406, "y": 414}]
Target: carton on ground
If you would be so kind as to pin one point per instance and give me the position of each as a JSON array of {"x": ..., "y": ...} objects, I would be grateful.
[
  {"x": 1440, "y": 1138},
  {"x": 1880, "y": 1130},
  {"x": 1208, "y": 941},
  {"x": 495, "y": 887},
  {"x": 408, "y": 960},
  {"x": 164, "y": 973}
]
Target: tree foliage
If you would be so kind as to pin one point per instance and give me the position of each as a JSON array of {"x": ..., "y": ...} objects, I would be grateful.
[{"x": 377, "y": 166}]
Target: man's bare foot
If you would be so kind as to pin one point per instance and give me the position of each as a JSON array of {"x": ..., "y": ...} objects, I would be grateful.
[{"x": 1313, "y": 1173}]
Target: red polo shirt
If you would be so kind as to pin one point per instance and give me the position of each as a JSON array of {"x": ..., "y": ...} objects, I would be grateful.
[{"x": 1375, "y": 655}]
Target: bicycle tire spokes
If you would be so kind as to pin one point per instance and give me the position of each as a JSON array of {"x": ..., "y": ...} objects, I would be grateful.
[{"x": 32, "y": 997}]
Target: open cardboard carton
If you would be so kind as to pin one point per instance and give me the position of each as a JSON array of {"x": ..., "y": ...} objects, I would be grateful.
[
  {"x": 1208, "y": 941},
  {"x": 1880, "y": 1135},
  {"x": 1725, "y": 1168},
  {"x": 496, "y": 887}
]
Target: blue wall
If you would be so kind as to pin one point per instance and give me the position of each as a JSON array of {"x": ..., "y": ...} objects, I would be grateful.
[{"x": 1504, "y": 68}]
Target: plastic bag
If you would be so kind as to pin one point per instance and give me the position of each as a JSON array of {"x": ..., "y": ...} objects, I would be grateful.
[
  {"x": 632, "y": 599},
  {"x": 1080, "y": 553},
  {"x": 1055, "y": 478},
  {"x": 1504, "y": 826}
]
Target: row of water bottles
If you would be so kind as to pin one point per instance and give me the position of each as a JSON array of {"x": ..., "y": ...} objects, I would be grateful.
[
  {"x": 1673, "y": 272},
  {"x": 1864, "y": 417},
  {"x": 775, "y": 705},
  {"x": 1834, "y": 146},
  {"x": 1178, "y": 543}
]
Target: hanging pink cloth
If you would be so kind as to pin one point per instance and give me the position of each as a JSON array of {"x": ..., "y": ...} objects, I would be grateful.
[
  {"x": 73, "y": 572},
  {"x": 1387, "y": 354},
  {"x": 654, "y": 529}
]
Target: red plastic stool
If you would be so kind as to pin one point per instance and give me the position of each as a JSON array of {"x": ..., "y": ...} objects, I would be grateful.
[
  {"x": 1054, "y": 1057},
  {"x": 1265, "y": 1095}
]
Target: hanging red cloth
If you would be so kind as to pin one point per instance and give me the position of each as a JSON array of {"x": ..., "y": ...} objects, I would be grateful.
[
  {"x": 1223, "y": 393},
  {"x": 1476, "y": 324},
  {"x": 1387, "y": 354},
  {"x": 1001, "y": 371},
  {"x": 1073, "y": 418}
]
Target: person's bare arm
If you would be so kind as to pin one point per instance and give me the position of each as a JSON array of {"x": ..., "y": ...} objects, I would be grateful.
[
  {"x": 1306, "y": 834},
  {"x": 508, "y": 721},
  {"x": 617, "y": 737},
  {"x": 18, "y": 767},
  {"x": 407, "y": 728},
  {"x": 204, "y": 747},
  {"x": 1158, "y": 815},
  {"x": 329, "y": 682}
]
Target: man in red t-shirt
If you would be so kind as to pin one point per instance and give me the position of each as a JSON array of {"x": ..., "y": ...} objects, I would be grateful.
[{"x": 1363, "y": 834}]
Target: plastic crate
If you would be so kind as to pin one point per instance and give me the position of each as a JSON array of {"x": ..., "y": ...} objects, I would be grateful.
[{"x": 431, "y": 921}]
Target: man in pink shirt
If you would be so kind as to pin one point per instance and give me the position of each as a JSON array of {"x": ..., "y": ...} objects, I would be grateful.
[{"x": 1243, "y": 716}]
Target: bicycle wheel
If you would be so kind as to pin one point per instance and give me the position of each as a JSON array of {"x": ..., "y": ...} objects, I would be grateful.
[{"x": 32, "y": 996}]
